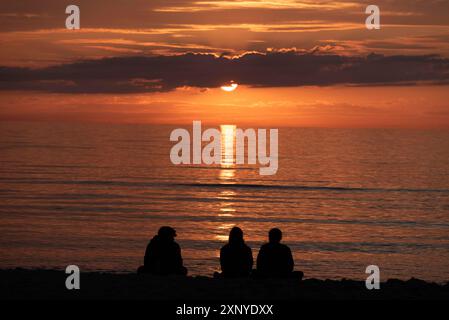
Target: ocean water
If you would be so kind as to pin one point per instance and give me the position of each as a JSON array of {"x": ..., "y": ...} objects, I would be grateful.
[{"x": 94, "y": 194}]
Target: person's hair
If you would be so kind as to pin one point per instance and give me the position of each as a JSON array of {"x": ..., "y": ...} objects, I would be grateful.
[
  {"x": 236, "y": 236},
  {"x": 166, "y": 232},
  {"x": 275, "y": 235}
]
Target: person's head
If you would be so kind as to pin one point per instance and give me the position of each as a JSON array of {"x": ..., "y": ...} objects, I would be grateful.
[
  {"x": 167, "y": 233},
  {"x": 236, "y": 236},
  {"x": 275, "y": 235}
]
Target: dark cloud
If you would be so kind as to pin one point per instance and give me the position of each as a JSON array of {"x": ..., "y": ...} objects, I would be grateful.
[{"x": 271, "y": 69}]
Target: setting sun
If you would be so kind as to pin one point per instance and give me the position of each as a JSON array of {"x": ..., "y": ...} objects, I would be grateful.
[{"x": 229, "y": 88}]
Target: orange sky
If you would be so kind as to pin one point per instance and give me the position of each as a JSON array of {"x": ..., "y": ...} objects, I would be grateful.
[
  {"x": 336, "y": 106},
  {"x": 32, "y": 36}
]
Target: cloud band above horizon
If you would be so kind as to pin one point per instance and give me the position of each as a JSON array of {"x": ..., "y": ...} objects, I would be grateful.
[{"x": 140, "y": 74}]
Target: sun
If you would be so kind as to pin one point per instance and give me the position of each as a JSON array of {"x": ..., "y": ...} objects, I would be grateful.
[{"x": 229, "y": 87}]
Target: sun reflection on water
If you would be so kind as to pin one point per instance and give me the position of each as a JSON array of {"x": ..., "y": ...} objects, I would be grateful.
[
  {"x": 227, "y": 175},
  {"x": 223, "y": 231},
  {"x": 227, "y": 147}
]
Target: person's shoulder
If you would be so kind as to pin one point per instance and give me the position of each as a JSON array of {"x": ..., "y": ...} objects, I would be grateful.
[
  {"x": 265, "y": 246},
  {"x": 285, "y": 247},
  {"x": 153, "y": 241}
]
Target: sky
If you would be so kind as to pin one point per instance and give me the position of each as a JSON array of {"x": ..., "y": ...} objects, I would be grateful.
[{"x": 306, "y": 63}]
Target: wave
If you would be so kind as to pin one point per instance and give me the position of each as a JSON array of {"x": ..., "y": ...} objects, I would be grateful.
[
  {"x": 217, "y": 185},
  {"x": 311, "y": 188},
  {"x": 82, "y": 212},
  {"x": 321, "y": 246}
]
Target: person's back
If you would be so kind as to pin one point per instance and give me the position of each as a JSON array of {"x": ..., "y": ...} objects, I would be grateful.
[
  {"x": 275, "y": 259},
  {"x": 163, "y": 254},
  {"x": 236, "y": 257}
]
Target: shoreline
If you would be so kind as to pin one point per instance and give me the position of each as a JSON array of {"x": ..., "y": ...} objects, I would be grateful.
[{"x": 39, "y": 284}]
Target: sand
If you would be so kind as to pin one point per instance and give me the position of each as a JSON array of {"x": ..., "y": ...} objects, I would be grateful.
[{"x": 50, "y": 284}]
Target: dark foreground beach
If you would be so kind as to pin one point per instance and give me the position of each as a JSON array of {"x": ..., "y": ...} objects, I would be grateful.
[{"x": 47, "y": 284}]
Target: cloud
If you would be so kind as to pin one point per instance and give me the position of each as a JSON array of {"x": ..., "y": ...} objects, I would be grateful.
[
  {"x": 166, "y": 27},
  {"x": 282, "y": 68},
  {"x": 50, "y": 14}
]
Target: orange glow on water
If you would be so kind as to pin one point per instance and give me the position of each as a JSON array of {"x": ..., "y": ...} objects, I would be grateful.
[{"x": 227, "y": 147}]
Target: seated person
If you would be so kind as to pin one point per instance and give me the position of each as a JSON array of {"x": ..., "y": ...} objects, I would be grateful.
[
  {"x": 275, "y": 259},
  {"x": 236, "y": 258},
  {"x": 163, "y": 255}
]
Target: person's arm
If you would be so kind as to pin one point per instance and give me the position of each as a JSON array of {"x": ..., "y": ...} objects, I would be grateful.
[
  {"x": 147, "y": 258},
  {"x": 178, "y": 261},
  {"x": 290, "y": 261},
  {"x": 251, "y": 259},
  {"x": 260, "y": 259},
  {"x": 222, "y": 259}
]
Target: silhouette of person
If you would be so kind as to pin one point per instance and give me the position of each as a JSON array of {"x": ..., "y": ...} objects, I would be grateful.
[
  {"x": 275, "y": 259},
  {"x": 236, "y": 258},
  {"x": 163, "y": 254}
]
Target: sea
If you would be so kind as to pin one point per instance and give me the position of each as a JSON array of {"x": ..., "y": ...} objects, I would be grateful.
[{"x": 94, "y": 194}]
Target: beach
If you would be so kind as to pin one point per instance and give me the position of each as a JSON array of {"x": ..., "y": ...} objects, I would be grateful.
[{"x": 50, "y": 284}]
